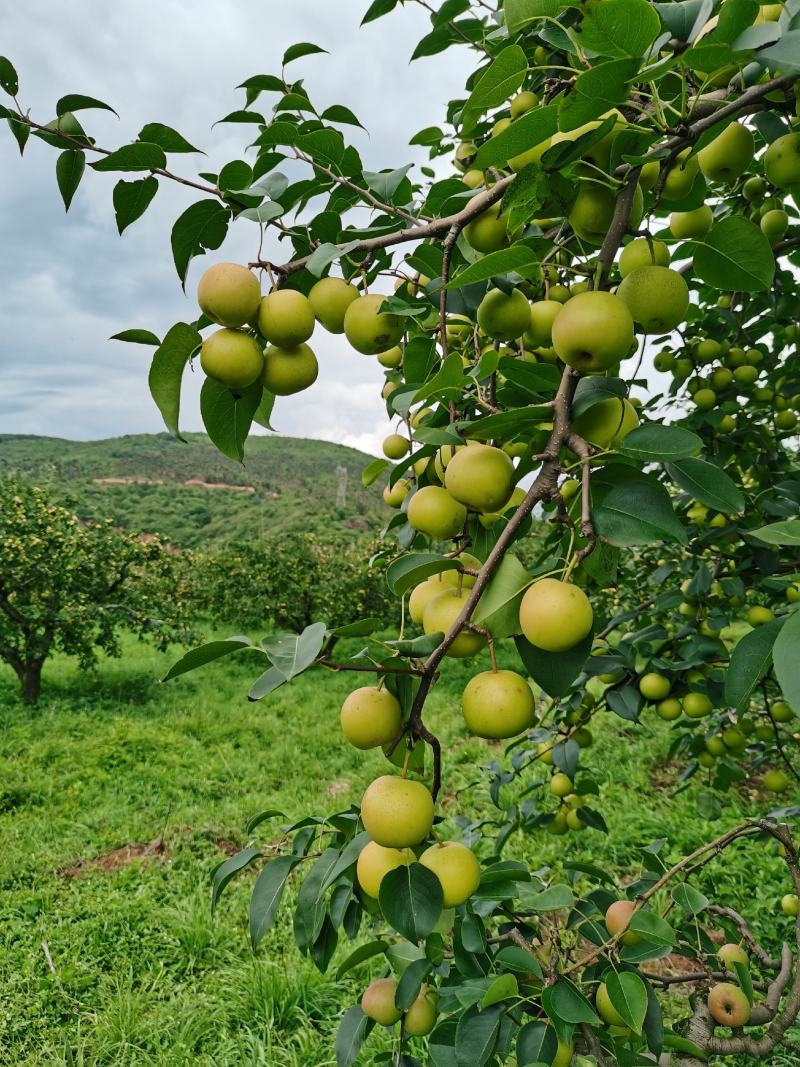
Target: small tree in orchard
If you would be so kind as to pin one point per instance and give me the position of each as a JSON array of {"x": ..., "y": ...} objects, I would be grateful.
[
  {"x": 622, "y": 184},
  {"x": 72, "y": 587}
]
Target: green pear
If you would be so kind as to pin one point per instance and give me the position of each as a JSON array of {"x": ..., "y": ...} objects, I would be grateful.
[
  {"x": 330, "y": 298},
  {"x": 229, "y": 294},
  {"x": 289, "y": 370},
  {"x": 657, "y": 298}
]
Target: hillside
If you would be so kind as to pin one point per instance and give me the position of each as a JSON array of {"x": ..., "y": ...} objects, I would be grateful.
[{"x": 193, "y": 495}]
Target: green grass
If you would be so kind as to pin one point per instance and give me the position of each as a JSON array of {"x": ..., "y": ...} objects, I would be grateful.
[{"x": 142, "y": 975}]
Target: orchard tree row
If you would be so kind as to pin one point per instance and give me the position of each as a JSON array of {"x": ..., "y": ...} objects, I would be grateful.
[{"x": 614, "y": 194}]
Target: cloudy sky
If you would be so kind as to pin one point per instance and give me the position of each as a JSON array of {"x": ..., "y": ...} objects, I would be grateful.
[{"x": 70, "y": 281}]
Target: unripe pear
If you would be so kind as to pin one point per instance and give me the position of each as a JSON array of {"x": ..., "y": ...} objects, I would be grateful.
[
  {"x": 593, "y": 211},
  {"x": 681, "y": 176},
  {"x": 371, "y": 717},
  {"x": 618, "y": 918},
  {"x": 391, "y": 358},
  {"x": 606, "y": 1009},
  {"x": 440, "y": 614},
  {"x": 654, "y": 686},
  {"x": 642, "y": 252},
  {"x": 775, "y": 781},
  {"x": 657, "y": 298},
  {"x": 560, "y": 784},
  {"x": 781, "y": 711},
  {"x": 375, "y": 862},
  {"x": 395, "y": 495},
  {"x": 695, "y": 223},
  {"x": 669, "y": 709},
  {"x": 420, "y": 1018},
  {"x": 593, "y": 332},
  {"x": 229, "y": 294},
  {"x": 498, "y": 704},
  {"x": 457, "y": 869},
  {"x": 488, "y": 232},
  {"x": 543, "y": 315},
  {"x": 607, "y": 423},
  {"x": 782, "y": 161},
  {"x": 729, "y": 155},
  {"x": 564, "y": 1054},
  {"x": 758, "y": 615},
  {"x": 480, "y": 477},
  {"x": 395, "y": 446},
  {"x": 368, "y": 329},
  {"x": 554, "y": 615},
  {"x": 504, "y": 317},
  {"x": 377, "y": 1002},
  {"x": 728, "y": 1005},
  {"x": 434, "y": 512},
  {"x": 705, "y": 399},
  {"x": 523, "y": 102},
  {"x": 286, "y": 318},
  {"x": 464, "y": 155},
  {"x": 790, "y": 905},
  {"x": 697, "y": 705},
  {"x": 330, "y": 298},
  {"x": 731, "y": 954},
  {"x": 467, "y": 580},
  {"x": 289, "y": 370},
  {"x": 397, "y": 812},
  {"x": 232, "y": 358},
  {"x": 421, "y": 596}
]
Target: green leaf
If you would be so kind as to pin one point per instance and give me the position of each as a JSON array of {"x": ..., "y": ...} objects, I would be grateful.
[
  {"x": 750, "y": 661},
  {"x": 410, "y": 984},
  {"x": 136, "y": 337},
  {"x": 378, "y": 8},
  {"x": 69, "y": 171},
  {"x": 783, "y": 56},
  {"x": 628, "y": 995},
  {"x": 9, "y": 80},
  {"x": 297, "y": 51},
  {"x": 21, "y": 131},
  {"x": 565, "y": 1003},
  {"x": 411, "y": 900},
  {"x": 778, "y": 533},
  {"x": 137, "y": 156},
  {"x": 637, "y": 513},
  {"x": 228, "y": 415},
  {"x": 407, "y": 571},
  {"x": 653, "y": 442},
  {"x": 267, "y": 893},
  {"x": 76, "y": 102},
  {"x": 450, "y": 375},
  {"x": 264, "y": 410},
  {"x": 519, "y": 959},
  {"x": 709, "y": 484},
  {"x": 591, "y": 391},
  {"x": 266, "y": 683},
  {"x": 373, "y": 470},
  {"x": 555, "y": 898},
  {"x": 498, "y": 82},
  {"x": 786, "y": 660},
  {"x": 735, "y": 256},
  {"x": 619, "y": 28},
  {"x": 166, "y": 371},
  {"x": 652, "y": 928},
  {"x": 476, "y": 1035},
  {"x": 351, "y": 1035},
  {"x": 165, "y": 137},
  {"x": 498, "y": 607},
  {"x": 361, "y": 628},
  {"x": 361, "y": 955},
  {"x": 504, "y": 987},
  {"x": 596, "y": 91},
  {"x": 228, "y": 870},
  {"x": 554, "y": 671},
  {"x": 292, "y": 654},
  {"x": 417, "y": 646},
  {"x": 689, "y": 898},
  {"x": 132, "y": 199},
  {"x": 207, "y": 653},
  {"x": 385, "y": 183},
  {"x": 201, "y": 228},
  {"x": 341, "y": 114},
  {"x": 536, "y": 1043},
  {"x": 518, "y": 13},
  {"x": 524, "y": 133},
  {"x": 519, "y": 258}
]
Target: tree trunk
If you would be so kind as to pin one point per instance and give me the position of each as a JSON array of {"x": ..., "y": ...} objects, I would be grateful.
[{"x": 30, "y": 679}]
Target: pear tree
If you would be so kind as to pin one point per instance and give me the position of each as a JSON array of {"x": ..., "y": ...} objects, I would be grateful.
[{"x": 582, "y": 309}]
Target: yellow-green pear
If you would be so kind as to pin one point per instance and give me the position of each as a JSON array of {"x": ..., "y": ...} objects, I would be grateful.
[
  {"x": 498, "y": 704},
  {"x": 229, "y": 294},
  {"x": 731, "y": 954},
  {"x": 394, "y": 495},
  {"x": 421, "y": 596},
  {"x": 687, "y": 224},
  {"x": 543, "y": 315},
  {"x": 642, "y": 252},
  {"x": 232, "y": 358},
  {"x": 368, "y": 329},
  {"x": 489, "y": 231},
  {"x": 464, "y": 155},
  {"x": 504, "y": 316},
  {"x": 657, "y": 298},
  {"x": 439, "y": 616},
  {"x": 608, "y": 1013},
  {"x": 330, "y": 298},
  {"x": 593, "y": 210},
  {"x": 654, "y": 686},
  {"x": 286, "y": 318},
  {"x": 782, "y": 161},
  {"x": 457, "y": 869},
  {"x": 480, "y": 477},
  {"x": 467, "y": 580},
  {"x": 375, "y": 862},
  {"x": 434, "y": 512},
  {"x": 607, "y": 423},
  {"x": 523, "y": 102},
  {"x": 397, "y": 812},
  {"x": 377, "y": 1002},
  {"x": 289, "y": 370},
  {"x": 729, "y": 155},
  {"x": 555, "y": 615},
  {"x": 593, "y": 332},
  {"x": 395, "y": 446},
  {"x": 420, "y": 1018},
  {"x": 370, "y": 717},
  {"x": 681, "y": 176}
]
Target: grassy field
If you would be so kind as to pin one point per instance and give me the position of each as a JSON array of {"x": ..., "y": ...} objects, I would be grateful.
[{"x": 111, "y": 765}]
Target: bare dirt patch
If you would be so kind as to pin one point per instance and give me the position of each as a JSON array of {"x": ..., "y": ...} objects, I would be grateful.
[{"x": 116, "y": 859}]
